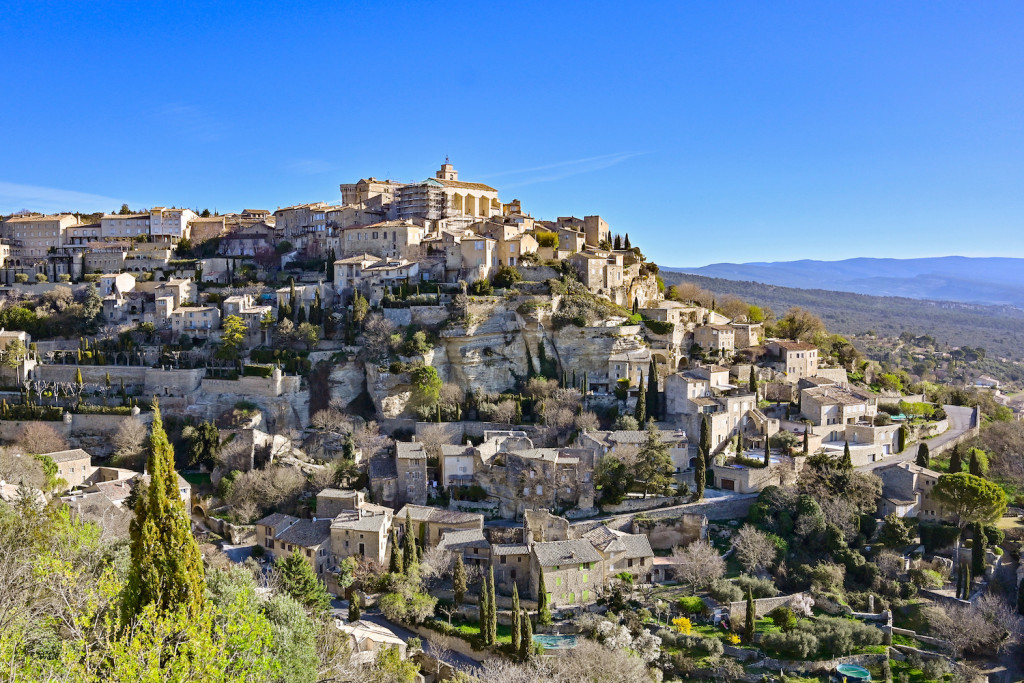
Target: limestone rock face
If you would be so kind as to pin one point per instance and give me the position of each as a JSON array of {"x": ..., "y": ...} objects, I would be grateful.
[
  {"x": 347, "y": 381},
  {"x": 487, "y": 355},
  {"x": 586, "y": 349},
  {"x": 390, "y": 391}
]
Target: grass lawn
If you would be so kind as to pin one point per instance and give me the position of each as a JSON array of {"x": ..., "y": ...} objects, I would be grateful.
[
  {"x": 913, "y": 675},
  {"x": 467, "y": 629}
]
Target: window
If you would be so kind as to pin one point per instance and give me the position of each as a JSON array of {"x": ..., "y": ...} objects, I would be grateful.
[
  {"x": 586, "y": 596},
  {"x": 558, "y": 581},
  {"x": 501, "y": 559},
  {"x": 586, "y": 578}
]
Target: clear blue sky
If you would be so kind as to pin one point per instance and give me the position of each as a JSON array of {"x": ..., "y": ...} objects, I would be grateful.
[{"x": 709, "y": 131}]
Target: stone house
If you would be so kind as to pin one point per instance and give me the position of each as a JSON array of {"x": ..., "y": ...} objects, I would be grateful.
[
  {"x": 430, "y": 524},
  {"x": 245, "y": 307},
  {"x": 458, "y": 465},
  {"x": 361, "y": 532},
  {"x": 746, "y": 334},
  {"x": 573, "y": 572},
  {"x": 195, "y": 321},
  {"x": 411, "y": 470},
  {"x": 836, "y": 406},
  {"x": 607, "y": 442},
  {"x": 73, "y": 466},
  {"x": 383, "y": 480},
  {"x": 795, "y": 359},
  {"x": 479, "y": 257},
  {"x": 389, "y": 239},
  {"x": 522, "y": 477},
  {"x": 367, "y": 638},
  {"x": 283, "y": 535},
  {"x": 629, "y": 365},
  {"x": 348, "y": 273},
  {"x": 511, "y": 562},
  {"x": 622, "y": 552},
  {"x": 471, "y": 544},
  {"x": 907, "y": 491},
  {"x": 717, "y": 338}
]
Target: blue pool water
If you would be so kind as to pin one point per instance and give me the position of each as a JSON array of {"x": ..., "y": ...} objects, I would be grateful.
[
  {"x": 855, "y": 672},
  {"x": 555, "y": 642}
]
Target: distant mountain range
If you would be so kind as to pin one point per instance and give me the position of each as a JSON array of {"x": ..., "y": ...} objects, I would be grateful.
[{"x": 995, "y": 281}]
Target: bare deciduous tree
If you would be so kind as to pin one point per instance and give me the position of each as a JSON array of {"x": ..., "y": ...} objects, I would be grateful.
[
  {"x": 129, "y": 443},
  {"x": 39, "y": 437},
  {"x": 754, "y": 550},
  {"x": 698, "y": 564}
]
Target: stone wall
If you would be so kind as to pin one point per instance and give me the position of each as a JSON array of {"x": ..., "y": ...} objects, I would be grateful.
[
  {"x": 253, "y": 386},
  {"x": 538, "y": 273},
  {"x": 824, "y": 665},
  {"x": 133, "y": 375},
  {"x": 762, "y": 606},
  {"x": 668, "y": 532},
  {"x": 160, "y": 382},
  {"x": 91, "y": 432}
]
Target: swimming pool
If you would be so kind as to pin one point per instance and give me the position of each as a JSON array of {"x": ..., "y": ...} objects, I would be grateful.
[
  {"x": 852, "y": 671},
  {"x": 555, "y": 642}
]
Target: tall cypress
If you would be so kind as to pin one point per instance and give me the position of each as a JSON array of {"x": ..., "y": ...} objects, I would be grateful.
[
  {"x": 516, "y": 635},
  {"x": 752, "y": 382},
  {"x": 703, "y": 452},
  {"x": 543, "y": 609},
  {"x": 492, "y": 604},
  {"x": 653, "y": 407},
  {"x": 751, "y": 622},
  {"x": 959, "y": 579},
  {"x": 967, "y": 581},
  {"x": 901, "y": 439},
  {"x": 459, "y": 580},
  {"x": 975, "y": 466},
  {"x": 767, "y": 451},
  {"x": 484, "y": 613},
  {"x": 807, "y": 439},
  {"x": 956, "y": 462},
  {"x": 847, "y": 462},
  {"x": 978, "y": 548},
  {"x": 923, "y": 459},
  {"x": 166, "y": 566},
  {"x": 408, "y": 543},
  {"x": 640, "y": 412},
  {"x": 396, "y": 565},
  {"x": 526, "y": 643}
]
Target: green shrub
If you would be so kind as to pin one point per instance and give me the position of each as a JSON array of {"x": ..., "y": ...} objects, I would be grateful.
[
  {"x": 783, "y": 617},
  {"x": 761, "y": 588},
  {"x": 937, "y": 536},
  {"x": 691, "y": 605},
  {"x": 725, "y": 591},
  {"x": 264, "y": 371},
  {"x": 795, "y": 645}
]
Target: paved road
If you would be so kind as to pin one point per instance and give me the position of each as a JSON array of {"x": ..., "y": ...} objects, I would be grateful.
[
  {"x": 459, "y": 661},
  {"x": 960, "y": 418}
]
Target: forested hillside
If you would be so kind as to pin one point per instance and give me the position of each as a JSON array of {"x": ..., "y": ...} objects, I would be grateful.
[{"x": 997, "y": 329}]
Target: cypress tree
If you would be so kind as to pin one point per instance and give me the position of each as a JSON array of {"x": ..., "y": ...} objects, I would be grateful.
[
  {"x": 300, "y": 315},
  {"x": 574, "y": 385},
  {"x": 543, "y": 609},
  {"x": 807, "y": 439},
  {"x": 959, "y": 579},
  {"x": 625, "y": 242},
  {"x": 617, "y": 244},
  {"x": 459, "y": 580},
  {"x": 396, "y": 565},
  {"x": 353, "y": 609},
  {"x": 484, "y": 613},
  {"x": 492, "y": 604},
  {"x": 526, "y": 643},
  {"x": 640, "y": 411},
  {"x": 967, "y": 581},
  {"x": 901, "y": 439},
  {"x": 516, "y": 635},
  {"x": 923, "y": 459},
  {"x": 166, "y": 567},
  {"x": 653, "y": 408},
  {"x": 847, "y": 463},
  {"x": 956, "y": 463},
  {"x": 750, "y": 625},
  {"x": 703, "y": 451},
  {"x": 78, "y": 377},
  {"x": 978, "y": 549},
  {"x": 585, "y": 387},
  {"x": 767, "y": 451},
  {"x": 408, "y": 544},
  {"x": 975, "y": 466},
  {"x": 752, "y": 383}
]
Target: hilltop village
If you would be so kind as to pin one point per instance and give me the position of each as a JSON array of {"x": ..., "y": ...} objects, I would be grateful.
[{"x": 501, "y": 437}]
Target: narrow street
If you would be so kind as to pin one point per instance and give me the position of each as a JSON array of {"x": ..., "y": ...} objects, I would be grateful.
[{"x": 960, "y": 421}]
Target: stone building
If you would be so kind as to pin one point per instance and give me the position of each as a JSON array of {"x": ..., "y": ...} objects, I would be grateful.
[
  {"x": 572, "y": 569},
  {"x": 361, "y": 532},
  {"x": 907, "y": 491},
  {"x": 282, "y": 535},
  {"x": 33, "y": 237},
  {"x": 718, "y": 338},
  {"x": 411, "y": 469},
  {"x": 793, "y": 358},
  {"x": 430, "y": 524}
]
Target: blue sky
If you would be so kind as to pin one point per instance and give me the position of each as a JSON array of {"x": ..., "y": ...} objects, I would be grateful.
[{"x": 710, "y": 132}]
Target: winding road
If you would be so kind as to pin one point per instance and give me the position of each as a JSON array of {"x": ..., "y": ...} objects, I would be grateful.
[{"x": 961, "y": 419}]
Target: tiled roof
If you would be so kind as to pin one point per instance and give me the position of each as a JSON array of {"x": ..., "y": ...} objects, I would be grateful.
[
  {"x": 408, "y": 450},
  {"x": 382, "y": 467},
  {"x": 307, "y": 532},
  {"x": 795, "y": 346},
  {"x": 420, "y": 513},
  {"x": 276, "y": 520},
  {"x": 361, "y": 520},
  {"x": 458, "y": 539},
  {"x": 556, "y": 553},
  {"x": 68, "y": 455},
  {"x": 510, "y": 549},
  {"x": 462, "y": 185}
]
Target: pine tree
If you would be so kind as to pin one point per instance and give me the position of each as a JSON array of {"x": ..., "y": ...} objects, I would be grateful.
[
  {"x": 396, "y": 565},
  {"x": 956, "y": 463},
  {"x": 847, "y": 461},
  {"x": 752, "y": 382},
  {"x": 516, "y": 616},
  {"x": 652, "y": 407},
  {"x": 750, "y": 625},
  {"x": 807, "y": 439},
  {"x": 640, "y": 411},
  {"x": 300, "y": 582},
  {"x": 703, "y": 452},
  {"x": 975, "y": 466},
  {"x": 459, "y": 580},
  {"x": 353, "y": 609},
  {"x": 543, "y": 609},
  {"x": 166, "y": 567},
  {"x": 408, "y": 544},
  {"x": 526, "y": 643},
  {"x": 978, "y": 548},
  {"x": 922, "y": 455}
]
